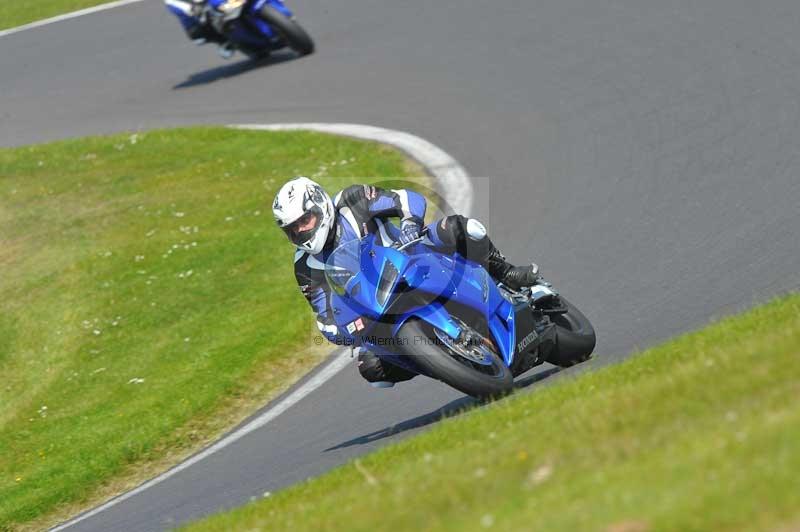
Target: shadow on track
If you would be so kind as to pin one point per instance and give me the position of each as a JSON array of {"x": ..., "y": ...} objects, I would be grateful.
[
  {"x": 451, "y": 409},
  {"x": 234, "y": 69}
]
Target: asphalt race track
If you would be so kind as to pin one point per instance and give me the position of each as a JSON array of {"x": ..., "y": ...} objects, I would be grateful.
[{"x": 645, "y": 152}]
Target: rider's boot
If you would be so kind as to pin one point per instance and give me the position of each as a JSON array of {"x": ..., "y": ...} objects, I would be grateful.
[
  {"x": 380, "y": 374},
  {"x": 514, "y": 277},
  {"x": 226, "y": 50}
]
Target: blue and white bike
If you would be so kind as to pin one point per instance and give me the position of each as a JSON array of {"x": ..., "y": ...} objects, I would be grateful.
[
  {"x": 255, "y": 27},
  {"x": 443, "y": 316}
]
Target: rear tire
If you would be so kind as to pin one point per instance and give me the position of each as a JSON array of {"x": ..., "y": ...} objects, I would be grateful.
[
  {"x": 435, "y": 359},
  {"x": 575, "y": 337},
  {"x": 295, "y": 36}
]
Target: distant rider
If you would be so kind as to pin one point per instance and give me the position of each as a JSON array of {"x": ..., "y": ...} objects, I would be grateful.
[
  {"x": 190, "y": 14},
  {"x": 317, "y": 225}
]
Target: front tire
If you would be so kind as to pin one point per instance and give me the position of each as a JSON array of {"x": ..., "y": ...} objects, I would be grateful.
[
  {"x": 575, "y": 337},
  {"x": 433, "y": 357},
  {"x": 295, "y": 36}
]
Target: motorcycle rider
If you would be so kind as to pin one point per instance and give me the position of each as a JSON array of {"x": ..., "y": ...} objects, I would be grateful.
[
  {"x": 317, "y": 224},
  {"x": 190, "y": 15}
]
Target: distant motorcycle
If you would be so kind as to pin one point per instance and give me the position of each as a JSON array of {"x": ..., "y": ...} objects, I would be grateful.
[
  {"x": 255, "y": 27},
  {"x": 443, "y": 316}
]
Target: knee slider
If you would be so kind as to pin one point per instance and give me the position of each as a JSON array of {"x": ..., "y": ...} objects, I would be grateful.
[{"x": 371, "y": 368}]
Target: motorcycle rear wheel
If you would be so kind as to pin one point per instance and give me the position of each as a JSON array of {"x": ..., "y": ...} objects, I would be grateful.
[
  {"x": 295, "y": 36},
  {"x": 438, "y": 361},
  {"x": 575, "y": 337}
]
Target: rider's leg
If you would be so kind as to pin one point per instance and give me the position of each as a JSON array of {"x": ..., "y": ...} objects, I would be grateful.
[
  {"x": 205, "y": 33},
  {"x": 468, "y": 237},
  {"x": 378, "y": 373},
  {"x": 188, "y": 13}
]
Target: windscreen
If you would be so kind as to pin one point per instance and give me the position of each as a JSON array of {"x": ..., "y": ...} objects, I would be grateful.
[{"x": 342, "y": 265}]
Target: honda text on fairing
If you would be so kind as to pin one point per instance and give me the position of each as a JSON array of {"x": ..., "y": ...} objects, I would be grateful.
[
  {"x": 443, "y": 316},
  {"x": 254, "y": 27}
]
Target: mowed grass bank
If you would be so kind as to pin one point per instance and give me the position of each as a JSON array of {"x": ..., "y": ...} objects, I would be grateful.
[
  {"x": 701, "y": 433},
  {"x": 147, "y": 300},
  {"x": 14, "y": 14}
]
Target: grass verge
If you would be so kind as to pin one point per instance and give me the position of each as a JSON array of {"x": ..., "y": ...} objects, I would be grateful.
[
  {"x": 147, "y": 301},
  {"x": 13, "y": 14},
  {"x": 701, "y": 433}
]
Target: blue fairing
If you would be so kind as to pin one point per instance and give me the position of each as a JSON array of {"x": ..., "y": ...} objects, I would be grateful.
[
  {"x": 421, "y": 272},
  {"x": 277, "y": 4}
]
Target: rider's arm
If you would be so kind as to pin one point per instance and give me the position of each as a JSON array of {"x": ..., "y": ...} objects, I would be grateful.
[
  {"x": 382, "y": 203},
  {"x": 403, "y": 203},
  {"x": 316, "y": 291},
  {"x": 185, "y": 11}
]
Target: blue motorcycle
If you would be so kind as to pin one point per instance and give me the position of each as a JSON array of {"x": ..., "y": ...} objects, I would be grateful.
[
  {"x": 443, "y": 316},
  {"x": 255, "y": 27}
]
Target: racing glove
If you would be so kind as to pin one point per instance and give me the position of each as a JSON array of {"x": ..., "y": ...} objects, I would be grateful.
[{"x": 409, "y": 231}]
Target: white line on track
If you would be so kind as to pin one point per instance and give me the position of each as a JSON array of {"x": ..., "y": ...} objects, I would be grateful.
[
  {"x": 455, "y": 187},
  {"x": 454, "y": 184},
  {"x": 67, "y": 16}
]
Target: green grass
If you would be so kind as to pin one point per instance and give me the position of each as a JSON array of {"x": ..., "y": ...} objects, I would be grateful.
[
  {"x": 701, "y": 433},
  {"x": 147, "y": 300},
  {"x": 14, "y": 13}
]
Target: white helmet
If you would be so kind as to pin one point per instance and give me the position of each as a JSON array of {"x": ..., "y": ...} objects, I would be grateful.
[{"x": 305, "y": 213}]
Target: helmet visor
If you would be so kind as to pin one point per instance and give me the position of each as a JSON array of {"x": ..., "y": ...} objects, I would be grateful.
[{"x": 304, "y": 228}]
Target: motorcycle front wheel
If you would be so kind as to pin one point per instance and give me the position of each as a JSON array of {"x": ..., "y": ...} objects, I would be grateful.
[
  {"x": 488, "y": 378},
  {"x": 294, "y": 35}
]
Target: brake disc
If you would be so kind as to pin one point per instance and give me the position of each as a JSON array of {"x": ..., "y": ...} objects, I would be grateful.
[{"x": 466, "y": 346}]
